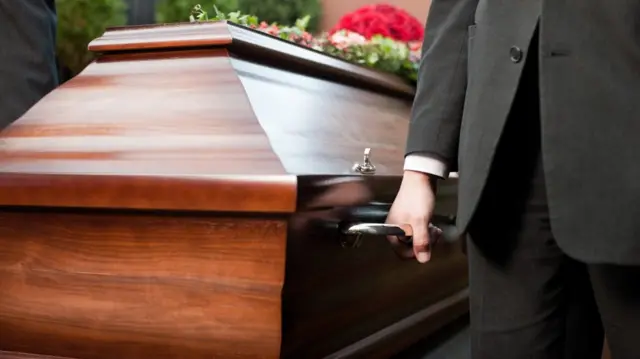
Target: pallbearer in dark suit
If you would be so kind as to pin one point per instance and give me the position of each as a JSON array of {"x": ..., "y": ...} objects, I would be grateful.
[
  {"x": 27, "y": 55},
  {"x": 537, "y": 104}
]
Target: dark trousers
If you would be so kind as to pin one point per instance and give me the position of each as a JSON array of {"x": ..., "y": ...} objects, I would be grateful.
[{"x": 529, "y": 300}]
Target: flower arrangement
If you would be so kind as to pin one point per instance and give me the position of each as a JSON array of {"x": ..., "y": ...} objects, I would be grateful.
[
  {"x": 382, "y": 19},
  {"x": 378, "y": 51},
  {"x": 296, "y": 33}
]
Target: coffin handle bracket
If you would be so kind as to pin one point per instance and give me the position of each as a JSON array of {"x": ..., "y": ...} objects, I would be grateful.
[{"x": 366, "y": 167}]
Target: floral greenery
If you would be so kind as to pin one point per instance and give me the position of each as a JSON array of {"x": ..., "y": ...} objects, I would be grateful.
[
  {"x": 378, "y": 52},
  {"x": 168, "y": 11},
  {"x": 284, "y": 11},
  {"x": 272, "y": 11},
  {"x": 297, "y": 33},
  {"x": 79, "y": 22}
]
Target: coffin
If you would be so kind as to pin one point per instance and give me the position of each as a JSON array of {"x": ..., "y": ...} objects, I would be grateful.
[{"x": 185, "y": 197}]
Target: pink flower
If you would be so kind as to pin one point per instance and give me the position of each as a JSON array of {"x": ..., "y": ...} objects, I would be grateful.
[
  {"x": 343, "y": 39},
  {"x": 307, "y": 36},
  {"x": 272, "y": 30}
]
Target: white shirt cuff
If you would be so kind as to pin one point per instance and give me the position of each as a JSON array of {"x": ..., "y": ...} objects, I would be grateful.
[{"x": 420, "y": 162}]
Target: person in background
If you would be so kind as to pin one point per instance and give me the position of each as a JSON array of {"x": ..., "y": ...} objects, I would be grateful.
[
  {"x": 536, "y": 103},
  {"x": 28, "y": 68}
]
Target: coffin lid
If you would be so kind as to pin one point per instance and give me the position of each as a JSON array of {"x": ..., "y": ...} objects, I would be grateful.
[{"x": 167, "y": 118}]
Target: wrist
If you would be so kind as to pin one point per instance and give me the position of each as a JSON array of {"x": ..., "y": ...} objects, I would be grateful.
[{"x": 421, "y": 177}]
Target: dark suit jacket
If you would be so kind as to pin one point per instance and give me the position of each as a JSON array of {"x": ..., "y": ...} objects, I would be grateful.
[
  {"x": 589, "y": 68},
  {"x": 27, "y": 55}
]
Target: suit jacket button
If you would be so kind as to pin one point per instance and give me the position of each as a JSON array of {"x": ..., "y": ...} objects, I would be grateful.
[{"x": 516, "y": 54}]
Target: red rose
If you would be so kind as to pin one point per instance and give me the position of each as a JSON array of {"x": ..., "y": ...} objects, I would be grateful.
[{"x": 382, "y": 19}]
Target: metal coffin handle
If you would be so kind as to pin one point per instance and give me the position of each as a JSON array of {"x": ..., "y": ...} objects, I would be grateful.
[
  {"x": 404, "y": 232},
  {"x": 380, "y": 229}
]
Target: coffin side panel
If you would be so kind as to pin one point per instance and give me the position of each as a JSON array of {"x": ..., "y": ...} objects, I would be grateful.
[
  {"x": 320, "y": 127},
  {"x": 104, "y": 286},
  {"x": 335, "y": 297}
]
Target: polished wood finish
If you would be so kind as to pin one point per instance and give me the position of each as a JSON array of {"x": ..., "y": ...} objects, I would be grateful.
[
  {"x": 168, "y": 148},
  {"x": 140, "y": 285},
  {"x": 345, "y": 297},
  {"x": 164, "y": 37},
  {"x": 328, "y": 139},
  {"x": 179, "y": 199},
  {"x": 17, "y": 355}
]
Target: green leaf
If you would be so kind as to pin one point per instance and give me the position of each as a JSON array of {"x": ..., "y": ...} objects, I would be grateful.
[
  {"x": 303, "y": 23},
  {"x": 373, "y": 58},
  {"x": 219, "y": 14}
]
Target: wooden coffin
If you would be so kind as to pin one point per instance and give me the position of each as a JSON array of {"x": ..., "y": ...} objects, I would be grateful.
[{"x": 183, "y": 196}]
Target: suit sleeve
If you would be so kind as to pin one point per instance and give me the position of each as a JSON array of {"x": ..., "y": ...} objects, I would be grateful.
[
  {"x": 436, "y": 114},
  {"x": 420, "y": 162}
]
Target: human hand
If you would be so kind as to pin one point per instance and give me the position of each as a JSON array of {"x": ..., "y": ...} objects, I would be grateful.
[{"x": 414, "y": 205}]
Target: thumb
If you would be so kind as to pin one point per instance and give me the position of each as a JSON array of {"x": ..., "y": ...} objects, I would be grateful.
[{"x": 421, "y": 238}]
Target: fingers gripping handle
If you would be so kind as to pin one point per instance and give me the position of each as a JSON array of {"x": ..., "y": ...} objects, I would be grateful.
[{"x": 404, "y": 232}]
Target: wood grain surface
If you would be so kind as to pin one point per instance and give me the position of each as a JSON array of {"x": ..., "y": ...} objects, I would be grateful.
[
  {"x": 146, "y": 131},
  {"x": 18, "y": 355},
  {"x": 163, "y": 36},
  {"x": 104, "y": 286},
  {"x": 326, "y": 125}
]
